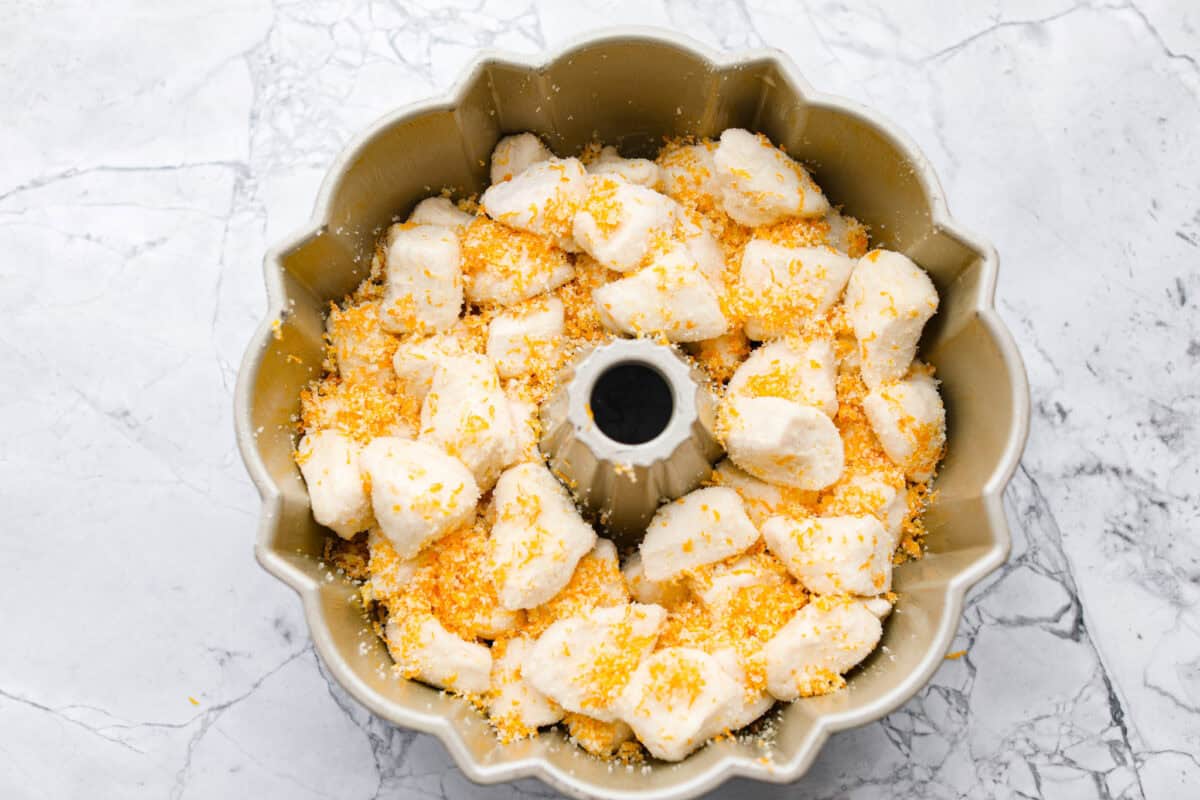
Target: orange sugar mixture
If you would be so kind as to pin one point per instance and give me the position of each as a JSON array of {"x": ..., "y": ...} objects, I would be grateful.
[{"x": 388, "y": 376}]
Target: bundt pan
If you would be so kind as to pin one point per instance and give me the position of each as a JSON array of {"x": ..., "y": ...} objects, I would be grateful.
[{"x": 632, "y": 88}]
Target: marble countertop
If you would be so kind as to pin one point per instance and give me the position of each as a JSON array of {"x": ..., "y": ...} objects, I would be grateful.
[{"x": 153, "y": 151}]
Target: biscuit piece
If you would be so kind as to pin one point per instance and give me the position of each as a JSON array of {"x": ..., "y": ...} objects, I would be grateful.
[
  {"x": 514, "y": 154},
  {"x": 881, "y": 607},
  {"x": 833, "y": 555},
  {"x": 538, "y": 537},
  {"x": 644, "y": 590},
  {"x": 689, "y": 174},
  {"x": 519, "y": 342},
  {"x": 670, "y": 297},
  {"x": 703, "y": 248},
  {"x": 847, "y": 234},
  {"x": 514, "y": 706},
  {"x": 423, "y": 286},
  {"x": 801, "y": 371},
  {"x": 716, "y": 584},
  {"x": 503, "y": 266},
  {"x": 418, "y": 491},
  {"x": 329, "y": 463},
  {"x": 601, "y": 739},
  {"x": 362, "y": 348},
  {"x": 423, "y": 649},
  {"x": 910, "y": 421},
  {"x": 762, "y": 500},
  {"x": 610, "y": 590},
  {"x": 751, "y": 703},
  {"x": 596, "y": 581},
  {"x": 760, "y": 184},
  {"x": 416, "y": 359},
  {"x": 390, "y": 574},
  {"x": 526, "y": 427},
  {"x": 542, "y": 199},
  {"x": 825, "y": 639},
  {"x": 583, "y": 663},
  {"x": 440, "y": 211},
  {"x": 466, "y": 414},
  {"x": 677, "y": 699},
  {"x": 701, "y": 527},
  {"x": 782, "y": 287},
  {"x": 641, "y": 171},
  {"x": 620, "y": 223},
  {"x": 868, "y": 494},
  {"x": 888, "y": 301},
  {"x": 723, "y": 355},
  {"x": 783, "y": 442}
]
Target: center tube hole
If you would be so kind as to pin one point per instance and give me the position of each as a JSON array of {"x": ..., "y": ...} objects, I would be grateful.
[{"x": 632, "y": 402}]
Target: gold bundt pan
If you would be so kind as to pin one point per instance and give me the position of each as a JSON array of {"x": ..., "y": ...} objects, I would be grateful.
[{"x": 632, "y": 87}]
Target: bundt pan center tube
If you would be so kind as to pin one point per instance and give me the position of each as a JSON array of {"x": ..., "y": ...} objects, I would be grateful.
[
  {"x": 590, "y": 90},
  {"x": 630, "y": 426}
]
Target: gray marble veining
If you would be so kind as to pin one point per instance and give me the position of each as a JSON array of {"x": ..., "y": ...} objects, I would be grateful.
[{"x": 152, "y": 151}]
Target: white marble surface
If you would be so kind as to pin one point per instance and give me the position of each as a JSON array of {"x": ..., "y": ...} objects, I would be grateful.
[{"x": 153, "y": 150}]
